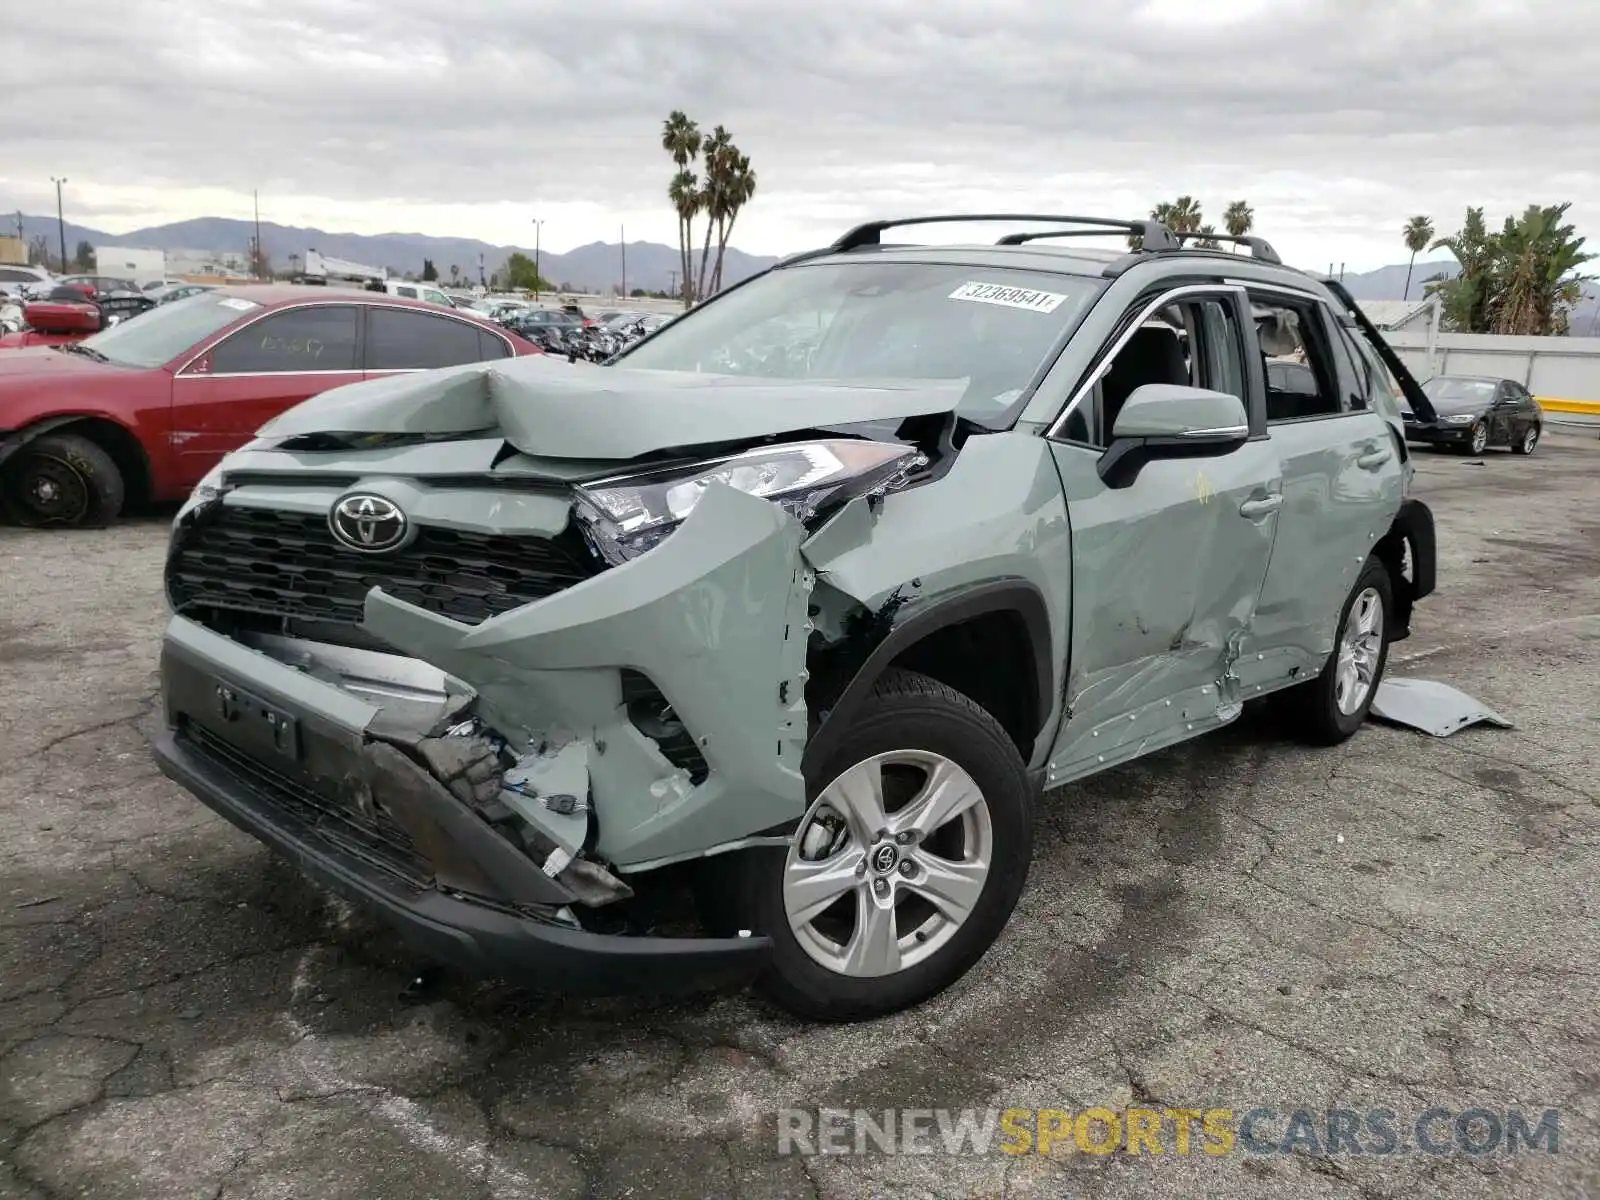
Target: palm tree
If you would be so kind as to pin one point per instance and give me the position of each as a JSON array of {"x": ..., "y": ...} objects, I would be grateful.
[
  {"x": 1208, "y": 238},
  {"x": 1537, "y": 257},
  {"x": 684, "y": 192},
  {"x": 680, "y": 137},
  {"x": 713, "y": 196},
  {"x": 1466, "y": 297},
  {"x": 1239, "y": 219},
  {"x": 740, "y": 189},
  {"x": 1181, "y": 216},
  {"x": 1418, "y": 232}
]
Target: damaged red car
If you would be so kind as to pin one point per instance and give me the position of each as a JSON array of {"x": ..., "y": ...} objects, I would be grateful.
[{"x": 141, "y": 410}]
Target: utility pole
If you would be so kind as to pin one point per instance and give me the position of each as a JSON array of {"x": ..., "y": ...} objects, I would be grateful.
[
  {"x": 674, "y": 288},
  {"x": 482, "y": 278},
  {"x": 260, "y": 257},
  {"x": 622, "y": 232},
  {"x": 61, "y": 222},
  {"x": 538, "y": 279}
]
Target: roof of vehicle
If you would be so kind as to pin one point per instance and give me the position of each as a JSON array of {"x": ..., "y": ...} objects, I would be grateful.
[
  {"x": 288, "y": 293},
  {"x": 1025, "y": 242},
  {"x": 1471, "y": 378}
]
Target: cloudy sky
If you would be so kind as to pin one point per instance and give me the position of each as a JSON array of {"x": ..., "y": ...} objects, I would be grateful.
[{"x": 1336, "y": 119}]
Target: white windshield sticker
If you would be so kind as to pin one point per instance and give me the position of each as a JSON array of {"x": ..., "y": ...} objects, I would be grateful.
[
  {"x": 1010, "y": 297},
  {"x": 241, "y": 305}
]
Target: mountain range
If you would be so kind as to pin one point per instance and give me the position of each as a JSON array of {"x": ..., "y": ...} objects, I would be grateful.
[{"x": 596, "y": 267}]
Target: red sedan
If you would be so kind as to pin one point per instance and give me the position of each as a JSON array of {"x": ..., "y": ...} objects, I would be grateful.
[{"x": 142, "y": 410}]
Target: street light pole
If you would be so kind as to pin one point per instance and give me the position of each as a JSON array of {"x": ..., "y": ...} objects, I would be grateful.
[
  {"x": 61, "y": 222},
  {"x": 622, "y": 232},
  {"x": 538, "y": 280}
]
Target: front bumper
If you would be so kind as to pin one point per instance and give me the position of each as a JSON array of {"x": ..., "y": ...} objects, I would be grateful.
[
  {"x": 470, "y": 933},
  {"x": 1438, "y": 435}
]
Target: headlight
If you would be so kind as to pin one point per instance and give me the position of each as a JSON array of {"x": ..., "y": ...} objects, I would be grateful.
[
  {"x": 1460, "y": 419},
  {"x": 626, "y": 515}
]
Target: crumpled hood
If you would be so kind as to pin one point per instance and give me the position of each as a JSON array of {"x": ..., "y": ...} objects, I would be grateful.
[{"x": 551, "y": 408}]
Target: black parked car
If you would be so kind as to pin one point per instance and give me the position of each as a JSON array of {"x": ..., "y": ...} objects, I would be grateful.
[{"x": 1475, "y": 412}]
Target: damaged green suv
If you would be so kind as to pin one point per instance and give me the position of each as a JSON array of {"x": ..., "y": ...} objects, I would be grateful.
[{"x": 796, "y": 606}]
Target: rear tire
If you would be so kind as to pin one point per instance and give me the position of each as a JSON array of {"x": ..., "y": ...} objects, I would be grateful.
[
  {"x": 1328, "y": 709},
  {"x": 945, "y": 891},
  {"x": 1528, "y": 441},
  {"x": 61, "y": 479}
]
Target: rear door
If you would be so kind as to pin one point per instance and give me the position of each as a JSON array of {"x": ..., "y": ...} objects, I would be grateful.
[
  {"x": 222, "y": 396},
  {"x": 1342, "y": 482},
  {"x": 402, "y": 339}
]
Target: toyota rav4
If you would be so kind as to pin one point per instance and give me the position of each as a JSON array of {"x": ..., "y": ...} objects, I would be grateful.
[{"x": 801, "y": 601}]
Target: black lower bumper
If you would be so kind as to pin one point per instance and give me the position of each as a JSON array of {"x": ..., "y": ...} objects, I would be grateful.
[
  {"x": 480, "y": 938},
  {"x": 1439, "y": 435}
]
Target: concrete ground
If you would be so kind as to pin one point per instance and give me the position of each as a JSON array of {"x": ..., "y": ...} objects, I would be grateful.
[{"x": 1400, "y": 923}]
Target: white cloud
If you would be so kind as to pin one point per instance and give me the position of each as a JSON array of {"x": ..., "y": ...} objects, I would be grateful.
[{"x": 1337, "y": 119}]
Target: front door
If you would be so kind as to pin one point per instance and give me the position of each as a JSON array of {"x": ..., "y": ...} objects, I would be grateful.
[
  {"x": 220, "y": 399},
  {"x": 1167, "y": 570}
]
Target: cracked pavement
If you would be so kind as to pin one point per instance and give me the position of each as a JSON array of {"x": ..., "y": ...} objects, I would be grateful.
[{"x": 1400, "y": 923}]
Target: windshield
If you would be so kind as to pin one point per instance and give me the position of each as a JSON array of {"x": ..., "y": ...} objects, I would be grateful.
[
  {"x": 863, "y": 321},
  {"x": 1443, "y": 387},
  {"x": 167, "y": 330}
]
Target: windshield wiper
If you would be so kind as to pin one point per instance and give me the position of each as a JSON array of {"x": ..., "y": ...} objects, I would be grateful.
[{"x": 86, "y": 351}]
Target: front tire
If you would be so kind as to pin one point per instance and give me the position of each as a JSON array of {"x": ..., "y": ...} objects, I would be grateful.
[
  {"x": 1480, "y": 440},
  {"x": 1332, "y": 706},
  {"x": 907, "y": 864},
  {"x": 61, "y": 479}
]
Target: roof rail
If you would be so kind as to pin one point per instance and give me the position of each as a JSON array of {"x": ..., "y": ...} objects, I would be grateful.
[
  {"x": 1259, "y": 247},
  {"x": 1153, "y": 234},
  {"x": 1018, "y": 239}
]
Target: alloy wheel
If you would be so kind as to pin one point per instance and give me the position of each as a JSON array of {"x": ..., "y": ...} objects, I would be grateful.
[
  {"x": 1360, "y": 649},
  {"x": 888, "y": 863},
  {"x": 1480, "y": 438},
  {"x": 1530, "y": 439}
]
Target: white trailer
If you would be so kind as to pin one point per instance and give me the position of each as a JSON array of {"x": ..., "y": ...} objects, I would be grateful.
[
  {"x": 131, "y": 262},
  {"x": 319, "y": 266}
]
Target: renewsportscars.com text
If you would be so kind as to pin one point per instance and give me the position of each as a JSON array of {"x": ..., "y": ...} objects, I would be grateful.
[{"x": 1178, "y": 1131}]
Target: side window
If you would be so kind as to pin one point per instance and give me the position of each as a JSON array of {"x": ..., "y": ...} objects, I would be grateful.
[
  {"x": 313, "y": 338},
  {"x": 1358, "y": 390},
  {"x": 1301, "y": 377},
  {"x": 1192, "y": 343},
  {"x": 399, "y": 339},
  {"x": 490, "y": 346},
  {"x": 1222, "y": 360},
  {"x": 410, "y": 293},
  {"x": 1384, "y": 393}
]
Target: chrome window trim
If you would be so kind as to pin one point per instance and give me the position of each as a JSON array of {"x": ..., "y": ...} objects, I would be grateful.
[{"x": 1103, "y": 364}]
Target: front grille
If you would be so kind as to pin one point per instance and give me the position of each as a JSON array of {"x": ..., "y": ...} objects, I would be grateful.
[
  {"x": 307, "y": 809},
  {"x": 285, "y": 564}
]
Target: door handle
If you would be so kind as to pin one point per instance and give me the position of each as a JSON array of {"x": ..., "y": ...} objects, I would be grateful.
[
  {"x": 1374, "y": 458},
  {"x": 1263, "y": 506}
]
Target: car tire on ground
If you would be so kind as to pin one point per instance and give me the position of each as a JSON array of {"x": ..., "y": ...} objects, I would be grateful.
[
  {"x": 61, "y": 479},
  {"x": 918, "y": 900},
  {"x": 1331, "y": 707},
  {"x": 1526, "y": 443},
  {"x": 1478, "y": 440}
]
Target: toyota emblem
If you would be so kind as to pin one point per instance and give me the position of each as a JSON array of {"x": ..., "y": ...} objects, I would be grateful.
[{"x": 368, "y": 523}]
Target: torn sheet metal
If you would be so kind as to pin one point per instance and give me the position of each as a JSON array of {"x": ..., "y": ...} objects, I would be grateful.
[
  {"x": 718, "y": 624},
  {"x": 1434, "y": 708}
]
